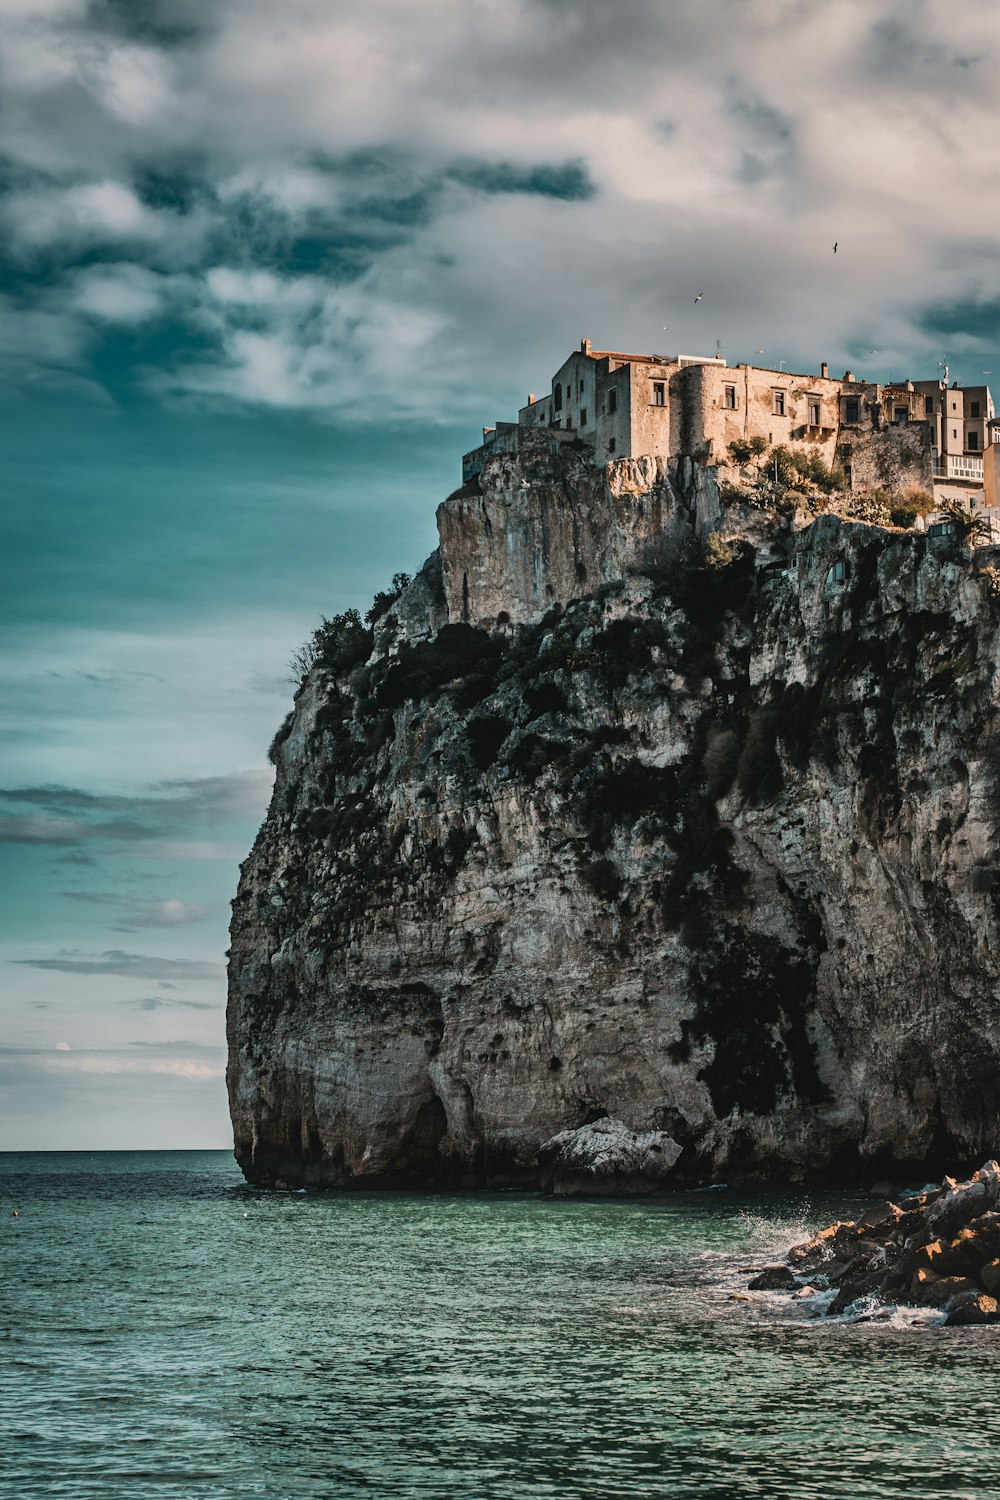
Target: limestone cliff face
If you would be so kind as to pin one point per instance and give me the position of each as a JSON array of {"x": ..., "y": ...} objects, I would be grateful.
[{"x": 703, "y": 841}]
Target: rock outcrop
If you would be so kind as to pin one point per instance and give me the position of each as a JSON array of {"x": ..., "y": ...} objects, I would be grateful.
[
  {"x": 634, "y": 806},
  {"x": 938, "y": 1248},
  {"x": 604, "y": 1158}
]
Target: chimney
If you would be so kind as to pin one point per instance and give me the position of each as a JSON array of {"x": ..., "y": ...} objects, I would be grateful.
[
  {"x": 849, "y": 376},
  {"x": 531, "y": 399},
  {"x": 584, "y": 346},
  {"x": 824, "y": 370}
]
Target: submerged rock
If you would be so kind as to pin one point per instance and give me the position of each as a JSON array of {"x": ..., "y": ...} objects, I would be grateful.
[
  {"x": 606, "y": 1157},
  {"x": 898, "y": 1254}
]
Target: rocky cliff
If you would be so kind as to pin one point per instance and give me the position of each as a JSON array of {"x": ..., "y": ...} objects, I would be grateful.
[{"x": 635, "y": 807}]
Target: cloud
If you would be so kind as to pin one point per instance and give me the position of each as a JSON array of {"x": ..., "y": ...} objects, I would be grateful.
[
  {"x": 91, "y": 215},
  {"x": 134, "y": 913},
  {"x": 62, "y": 1059},
  {"x": 171, "y": 913},
  {"x": 158, "y": 1002},
  {"x": 119, "y": 294},
  {"x": 183, "y": 174},
  {"x": 568, "y": 181},
  {"x": 126, "y": 965},
  {"x": 144, "y": 823}
]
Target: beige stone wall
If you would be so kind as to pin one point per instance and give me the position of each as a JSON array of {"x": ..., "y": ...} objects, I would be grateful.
[
  {"x": 709, "y": 422},
  {"x": 892, "y": 457},
  {"x": 991, "y": 475},
  {"x": 652, "y": 427},
  {"x": 610, "y": 401}
]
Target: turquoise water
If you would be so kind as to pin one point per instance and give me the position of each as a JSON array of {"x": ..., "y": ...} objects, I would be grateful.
[{"x": 167, "y": 1330}]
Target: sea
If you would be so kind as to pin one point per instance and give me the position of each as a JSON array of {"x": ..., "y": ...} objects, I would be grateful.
[{"x": 168, "y": 1330}]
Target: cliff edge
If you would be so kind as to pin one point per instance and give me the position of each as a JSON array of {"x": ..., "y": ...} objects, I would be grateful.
[{"x": 637, "y": 807}]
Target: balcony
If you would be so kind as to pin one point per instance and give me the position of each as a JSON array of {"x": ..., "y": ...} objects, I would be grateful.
[{"x": 959, "y": 466}]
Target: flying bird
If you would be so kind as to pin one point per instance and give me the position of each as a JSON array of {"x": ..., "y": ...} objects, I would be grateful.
[
  {"x": 835, "y": 244},
  {"x": 874, "y": 351},
  {"x": 699, "y": 297}
]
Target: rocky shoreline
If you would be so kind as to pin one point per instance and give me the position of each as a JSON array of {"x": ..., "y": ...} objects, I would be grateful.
[{"x": 939, "y": 1248}]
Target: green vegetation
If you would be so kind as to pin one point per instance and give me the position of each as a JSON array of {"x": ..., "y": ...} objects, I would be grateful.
[
  {"x": 744, "y": 450},
  {"x": 783, "y": 475},
  {"x": 336, "y": 644},
  {"x": 386, "y": 598},
  {"x": 913, "y": 502}
]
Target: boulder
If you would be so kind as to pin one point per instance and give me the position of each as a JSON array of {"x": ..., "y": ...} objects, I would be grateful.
[
  {"x": 972, "y": 1307},
  {"x": 937, "y": 1248},
  {"x": 607, "y": 1158},
  {"x": 774, "y": 1279},
  {"x": 971, "y": 1249},
  {"x": 990, "y": 1277},
  {"x": 938, "y": 1290}
]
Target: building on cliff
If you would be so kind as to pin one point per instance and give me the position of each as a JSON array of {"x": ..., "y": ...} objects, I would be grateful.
[{"x": 909, "y": 433}]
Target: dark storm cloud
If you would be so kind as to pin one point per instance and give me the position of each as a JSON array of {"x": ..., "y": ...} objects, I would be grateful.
[
  {"x": 569, "y": 181},
  {"x": 966, "y": 318},
  {"x": 126, "y": 966}
]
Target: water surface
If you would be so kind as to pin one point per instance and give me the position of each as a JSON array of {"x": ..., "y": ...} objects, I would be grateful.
[{"x": 167, "y": 1330}]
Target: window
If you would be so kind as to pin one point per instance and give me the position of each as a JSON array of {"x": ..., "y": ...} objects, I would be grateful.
[
  {"x": 569, "y": 424},
  {"x": 814, "y": 411},
  {"x": 972, "y": 439},
  {"x": 778, "y": 403},
  {"x": 729, "y": 397},
  {"x": 848, "y": 476},
  {"x": 954, "y": 432},
  {"x": 557, "y": 397},
  {"x": 611, "y": 445},
  {"x": 838, "y": 572},
  {"x": 852, "y": 409},
  {"x": 941, "y": 528},
  {"x": 581, "y": 387},
  {"x": 659, "y": 393},
  {"x": 612, "y": 401},
  {"x": 583, "y": 416},
  {"x": 900, "y": 414},
  {"x": 974, "y": 409},
  {"x": 928, "y": 406}
]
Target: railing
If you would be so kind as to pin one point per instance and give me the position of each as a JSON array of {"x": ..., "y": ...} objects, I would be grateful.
[{"x": 958, "y": 467}]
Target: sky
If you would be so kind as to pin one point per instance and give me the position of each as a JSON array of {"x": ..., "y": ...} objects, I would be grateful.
[{"x": 265, "y": 272}]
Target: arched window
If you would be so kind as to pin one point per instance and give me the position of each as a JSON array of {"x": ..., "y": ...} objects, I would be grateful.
[{"x": 557, "y": 397}]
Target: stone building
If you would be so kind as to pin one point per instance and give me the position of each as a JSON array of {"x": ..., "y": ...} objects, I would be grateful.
[{"x": 911, "y": 433}]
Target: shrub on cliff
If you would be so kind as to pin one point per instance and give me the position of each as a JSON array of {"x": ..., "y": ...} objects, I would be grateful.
[
  {"x": 758, "y": 773},
  {"x": 603, "y": 877},
  {"x": 337, "y": 644},
  {"x": 457, "y": 651},
  {"x": 718, "y": 553},
  {"x": 386, "y": 598},
  {"x": 913, "y": 502},
  {"x": 722, "y": 754},
  {"x": 486, "y": 737},
  {"x": 280, "y": 738},
  {"x": 742, "y": 450}
]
